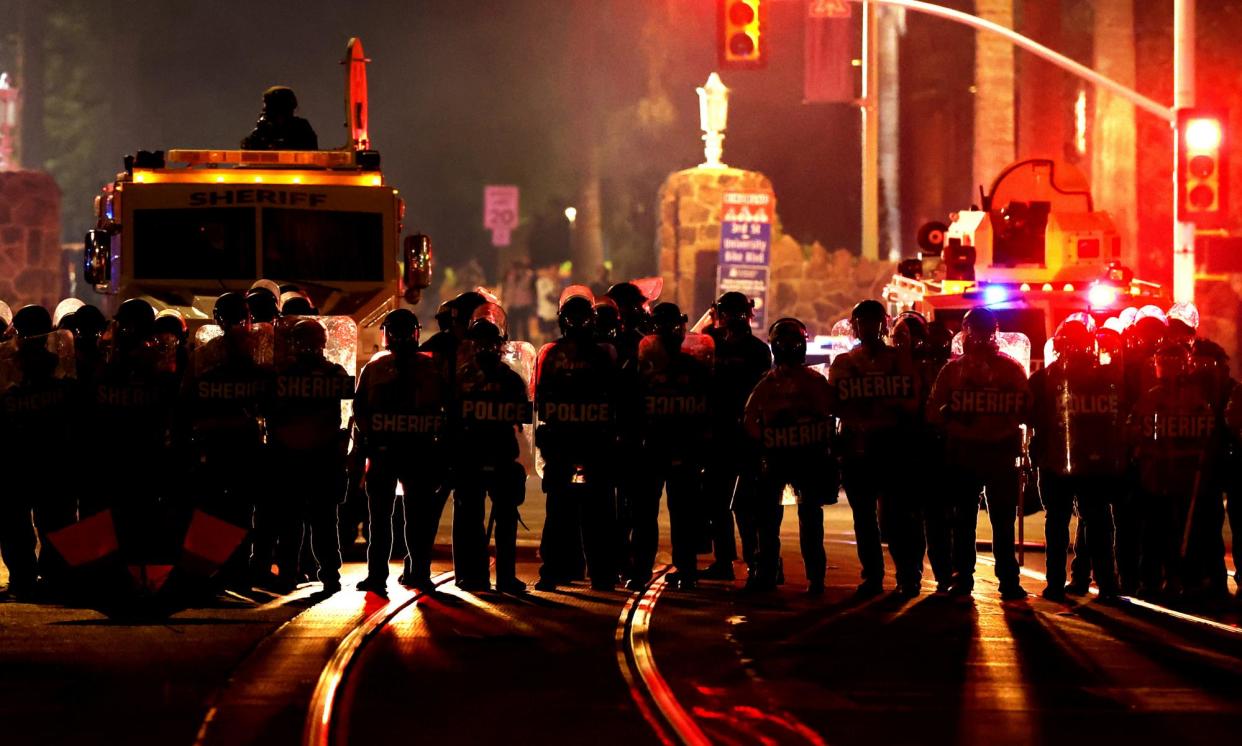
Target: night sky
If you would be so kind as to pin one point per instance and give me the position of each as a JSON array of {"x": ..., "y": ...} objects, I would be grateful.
[{"x": 471, "y": 92}]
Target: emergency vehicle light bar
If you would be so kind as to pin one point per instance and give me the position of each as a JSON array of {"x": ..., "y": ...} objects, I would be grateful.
[
  {"x": 302, "y": 158},
  {"x": 256, "y": 176}
]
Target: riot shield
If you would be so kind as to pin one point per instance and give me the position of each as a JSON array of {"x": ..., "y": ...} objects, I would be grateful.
[
  {"x": 521, "y": 357},
  {"x": 57, "y": 348},
  {"x": 209, "y": 350},
  {"x": 1085, "y": 422},
  {"x": 341, "y": 333},
  {"x": 1014, "y": 345}
]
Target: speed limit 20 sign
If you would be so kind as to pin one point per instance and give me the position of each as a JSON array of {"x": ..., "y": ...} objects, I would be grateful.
[{"x": 500, "y": 212}]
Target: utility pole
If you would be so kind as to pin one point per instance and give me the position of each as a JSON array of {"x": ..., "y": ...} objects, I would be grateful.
[
  {"x": 1183, "y": 96},
  {"x": 870, "y": 134}
]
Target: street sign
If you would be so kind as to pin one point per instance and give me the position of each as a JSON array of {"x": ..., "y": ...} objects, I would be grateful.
[
  {"x": 746, "y": 248},
  {"x": 500, "y": 212}
]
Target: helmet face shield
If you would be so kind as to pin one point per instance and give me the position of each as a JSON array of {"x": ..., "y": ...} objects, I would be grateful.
[
  {"x": 788, "y": 338},
  {"x": 577, "y": 317},
  {"x": 400, "y": 328}
]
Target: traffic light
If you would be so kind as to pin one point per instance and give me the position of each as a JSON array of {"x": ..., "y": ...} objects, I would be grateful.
[
  {"x": 1202, "y": 169},
  {"x": 741, "y": 37}
]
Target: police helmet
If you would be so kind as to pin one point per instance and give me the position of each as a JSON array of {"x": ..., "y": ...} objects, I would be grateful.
[
  {"x": 135, "y": 318},
  {"x": 263, "y": 305},
  {"x": 296, "y": 304},
  {"x": 465, "y": 304},
  {"x": 607, "y": 318},
  {"x": 734, "y": 302},
  {"x": 1073, "y": 336},
  {"x": 63, "y": 313},
  {"x": 576, "y": 316},
  {"x": 667, "y": 318},
  {"x": 400, "y": 326},
  {"x": 170, "y": 321},
  {"x": 911, "y": 328},
  {"x": 88, "y": 320},
  {"x": 869, "y": 311},
  {"x": 231, "y": 310},
  {"x": 308, "y": 337},
  {"x": 32, "y": 321},
  {"x": 788, "y": 338},
  {"x": 627, "y": 295},
  {"x": 444, "y": 316},
  {"x": 485, "y": 331},
  {"x": 267, "y": 286},
  {"x": 280, "y": 99},
  {"x": 980, "y": 322}
]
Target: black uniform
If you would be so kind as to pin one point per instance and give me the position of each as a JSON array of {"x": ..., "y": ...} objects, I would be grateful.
[
  {"x": 308, "y": 458},
  {"x": 399, "y": 412},
  {"x": 575, "y": 399},
  {"x": 673, "y": 423},
  {"x": 491, "y": 406},
  {"x": 37, "y": 416},
  {"x": 742, "y": 359}
]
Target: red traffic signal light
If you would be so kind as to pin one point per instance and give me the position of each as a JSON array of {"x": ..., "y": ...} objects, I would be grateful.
[
  {"x": 741, "y": 30},
  {"x": 1202, "y": 170}
]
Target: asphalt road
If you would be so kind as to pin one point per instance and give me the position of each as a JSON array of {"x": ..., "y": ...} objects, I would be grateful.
[{"x": 577, "y": 665}]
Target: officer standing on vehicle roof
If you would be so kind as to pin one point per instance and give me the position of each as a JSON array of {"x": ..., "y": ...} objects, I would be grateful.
[
  {"x": 399, "y": 412},
  {"x": 278, "y": 128},
  {"x": 672, "y": 425},
  {"x": 575, "y": 397},
  {"x": 789, "y": 420},
  {"x": 1077, "y": 413},
  {"x": 980, "y": 400},
  {"x": 875, "y": 395},
  {"x": 492, "y": 406},
  {"x": 308, "y": 454},
  {"x": 742, "y": 359}
]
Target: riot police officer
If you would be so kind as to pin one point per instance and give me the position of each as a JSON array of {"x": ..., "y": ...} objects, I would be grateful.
[
  {"x": 36, "y": 425},
  {"x": 635, "y": 321},
  {"x": 742, "y": 359},
  {"x": 575, "y": 397},
  {"x": 492, "y": 406},
  {"x": 399, "y": 411},
  {"x": 980, "y": 400},
  {"x": 223, "y": 405},
  {"x": 789, "y": 420},
  {"x": 673, "y": 423},
  {"x": 1172, "y": 427},
  {"x": 1077, "y": 413},
  {"x": 308, "y": 454},
  {"x": 875, "y": 398},
  {"x": 131, "y": 414},
  {"x": 912, "y": 336}
]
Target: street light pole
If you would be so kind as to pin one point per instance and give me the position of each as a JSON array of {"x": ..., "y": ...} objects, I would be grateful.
[
  {"x": 870, "y": 134},
  {"x": 1183, "y": 96}
]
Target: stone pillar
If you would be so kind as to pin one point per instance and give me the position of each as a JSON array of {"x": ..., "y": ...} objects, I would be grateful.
[
  {"x": 688, "y": 235},
  {"x": 29, "y": 239}
]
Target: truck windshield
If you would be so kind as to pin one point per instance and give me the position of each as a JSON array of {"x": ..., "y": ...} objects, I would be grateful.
[
  {"x": 216, "y": 243},
  {"x": 219, "y": 243},
  {"x": 323, "y": 245}
]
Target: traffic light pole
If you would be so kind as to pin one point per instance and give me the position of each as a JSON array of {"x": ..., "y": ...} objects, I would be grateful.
[{"x": 1183, "y": 96}]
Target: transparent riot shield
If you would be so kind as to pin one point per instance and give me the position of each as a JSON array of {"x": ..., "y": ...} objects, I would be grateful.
[
  {"x": 209, "y": 350},
  {"x": 55, "y": 348},
  {"x": 341, "y": 348},
  {"x": 1015, "y": 345},
  {"x": 521, "y": 357}
]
